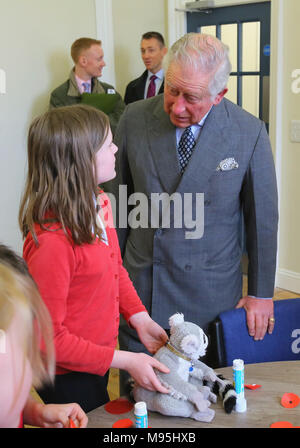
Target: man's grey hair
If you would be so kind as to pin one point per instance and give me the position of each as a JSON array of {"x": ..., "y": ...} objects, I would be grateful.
[{"x": 203, "y": 53}]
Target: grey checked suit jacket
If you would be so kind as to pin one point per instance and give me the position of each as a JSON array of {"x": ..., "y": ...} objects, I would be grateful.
[{"x": 198, "y": 277}]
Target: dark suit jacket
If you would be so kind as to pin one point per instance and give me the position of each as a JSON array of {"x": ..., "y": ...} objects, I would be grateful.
[
  {"x": 199, "y": 277},
  {"x": 136, "y": 89}
]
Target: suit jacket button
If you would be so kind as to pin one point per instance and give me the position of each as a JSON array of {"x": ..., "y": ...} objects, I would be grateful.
[{"x": 188, "y": 267}]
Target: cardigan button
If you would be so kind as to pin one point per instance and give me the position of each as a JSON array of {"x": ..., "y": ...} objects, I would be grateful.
[{"x": 116, "y": 276}]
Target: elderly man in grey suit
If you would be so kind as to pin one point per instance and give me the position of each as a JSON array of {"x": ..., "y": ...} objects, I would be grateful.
[{"x": 189, "y": 141}]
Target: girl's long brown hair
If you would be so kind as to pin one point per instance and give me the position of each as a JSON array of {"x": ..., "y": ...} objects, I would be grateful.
[{"x": 61, "y": 179}]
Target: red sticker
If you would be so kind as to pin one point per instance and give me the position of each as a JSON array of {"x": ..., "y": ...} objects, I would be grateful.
[
  {"x": 290, "y": 400},
  {"x": 125, "y": 423},
  {"x": 281, "y": 425},
  {"x": 252, "y": 386},
  {"x": 118, "y": 406}
]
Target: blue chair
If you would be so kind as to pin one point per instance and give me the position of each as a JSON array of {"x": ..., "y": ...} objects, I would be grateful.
[{"x": 233, "y": 340}]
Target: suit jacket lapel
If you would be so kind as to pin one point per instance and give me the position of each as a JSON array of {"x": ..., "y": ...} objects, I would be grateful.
[
  {"x": 161, "y": 89},
  {"x": 214, "y": 143},
  {"x": 140, "y": 85},
  {"x": 162, "y": 142}
]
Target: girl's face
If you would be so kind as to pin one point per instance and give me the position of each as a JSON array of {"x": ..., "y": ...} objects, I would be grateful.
[{"x": 105, "y": 160}]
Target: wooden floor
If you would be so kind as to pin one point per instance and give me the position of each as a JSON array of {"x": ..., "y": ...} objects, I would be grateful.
[{"x": 113, "y": 385}]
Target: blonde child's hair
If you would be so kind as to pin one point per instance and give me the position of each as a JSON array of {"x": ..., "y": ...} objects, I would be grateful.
[
  {"x": 61, "y": 180},
  {"x": 19, "y": 293}
]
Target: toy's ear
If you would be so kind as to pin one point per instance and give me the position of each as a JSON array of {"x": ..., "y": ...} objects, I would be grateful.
[
  {"x": 190, "y": 344},
  {"x": 205, "y": 339},
  {"x": 176, "y": 319}
]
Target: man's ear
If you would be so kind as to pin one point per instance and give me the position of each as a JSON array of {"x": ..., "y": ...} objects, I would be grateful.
[
  {"x": 220, "y": 96},
  {"x": 82, "y": 60}
]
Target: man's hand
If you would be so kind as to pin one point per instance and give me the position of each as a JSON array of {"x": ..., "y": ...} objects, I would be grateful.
[
  {"x": 260, "y": 316},
  {"x": 152, "y": 335}
]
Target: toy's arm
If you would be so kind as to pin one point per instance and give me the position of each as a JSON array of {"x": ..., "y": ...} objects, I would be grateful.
[{"x": 207, "y": 372}]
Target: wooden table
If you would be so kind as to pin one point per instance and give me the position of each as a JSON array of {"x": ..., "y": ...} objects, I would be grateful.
[{"x": 263, "y": 404}]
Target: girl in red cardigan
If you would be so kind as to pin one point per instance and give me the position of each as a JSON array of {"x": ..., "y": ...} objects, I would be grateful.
[{"x": 74, "y": 257}]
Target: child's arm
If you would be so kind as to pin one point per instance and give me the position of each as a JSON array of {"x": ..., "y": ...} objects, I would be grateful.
[
  {"x": 152, "y": 335},
  {"x": 53, "y": 415},
  {"x": 140, "y": 366}
]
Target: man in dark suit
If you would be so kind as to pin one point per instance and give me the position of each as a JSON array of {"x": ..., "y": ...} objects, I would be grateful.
[
  {"x": 188, "y": 144},
  {"x": 151, "y": 82}
]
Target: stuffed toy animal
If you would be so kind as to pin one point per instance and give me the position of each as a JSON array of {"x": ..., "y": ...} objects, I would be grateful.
[{"x": 192, "y": 385}]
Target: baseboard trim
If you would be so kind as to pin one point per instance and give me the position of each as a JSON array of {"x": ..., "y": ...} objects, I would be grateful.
[{"x": 288, "y": 280}]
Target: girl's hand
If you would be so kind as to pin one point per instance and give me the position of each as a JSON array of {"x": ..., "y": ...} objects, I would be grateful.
[
  {"x": 58, "y": 415},
  {"x": 140, "y": 366},
  {"x": 54, "y": 415},
  {"x": 152, "y": 335}
]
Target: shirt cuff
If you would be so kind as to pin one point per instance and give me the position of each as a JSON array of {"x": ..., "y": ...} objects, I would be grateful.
[{"x": 263, "y": 298}]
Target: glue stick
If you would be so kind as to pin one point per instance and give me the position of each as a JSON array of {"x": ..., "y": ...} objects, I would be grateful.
[
  {"x": 238, "y": 381},
  {"x": 140, "y": 413}
]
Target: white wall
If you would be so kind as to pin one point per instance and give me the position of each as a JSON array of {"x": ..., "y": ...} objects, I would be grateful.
[
  {"x": 288, "y": 276},
  {"x": 132, "y": 18},
  {"x": 35, "y": 40}
]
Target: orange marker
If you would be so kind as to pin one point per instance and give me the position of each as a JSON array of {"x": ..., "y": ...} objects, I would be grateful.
[{"x": 72, "y": 424}]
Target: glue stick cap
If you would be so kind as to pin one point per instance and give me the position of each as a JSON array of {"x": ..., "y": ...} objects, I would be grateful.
[
  {"x": 238, "y": 364},
  {"x": 140, "y": 408},
  {"x": 241, "y": 404}
]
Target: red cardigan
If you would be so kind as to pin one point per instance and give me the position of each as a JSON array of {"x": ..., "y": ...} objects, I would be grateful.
[{"x": 85, "y": 288}]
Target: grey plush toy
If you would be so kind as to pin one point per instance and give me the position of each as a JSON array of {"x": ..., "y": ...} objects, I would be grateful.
[{"x": 192, "y": 385}]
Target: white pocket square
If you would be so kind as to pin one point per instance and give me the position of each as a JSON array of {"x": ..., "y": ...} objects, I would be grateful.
[{"x": 227, "y": 164}]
